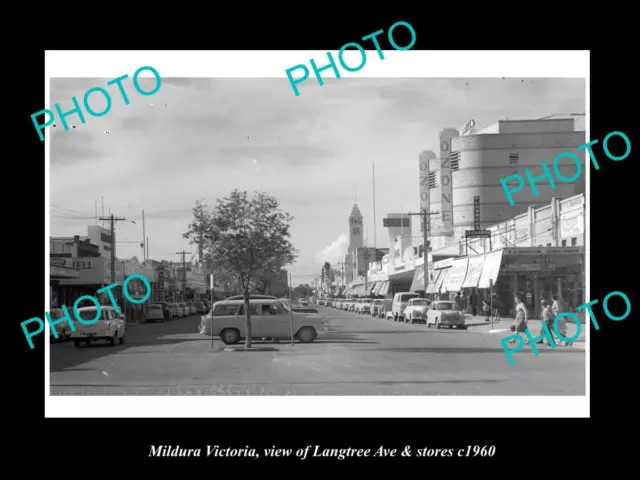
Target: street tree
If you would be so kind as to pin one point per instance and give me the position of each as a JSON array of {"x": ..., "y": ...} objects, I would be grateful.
[{"x": 247, "y": 234}]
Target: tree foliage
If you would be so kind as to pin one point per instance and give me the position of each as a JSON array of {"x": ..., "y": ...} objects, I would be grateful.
[{"x": 246, "y": 237}]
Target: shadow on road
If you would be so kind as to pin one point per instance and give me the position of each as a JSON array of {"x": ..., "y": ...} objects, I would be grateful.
[
  {"x": 464, "y": 350},
  {"x": 63, "y": 357}
]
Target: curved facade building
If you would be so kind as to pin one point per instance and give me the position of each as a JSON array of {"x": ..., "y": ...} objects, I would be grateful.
[{"x": 480, "y": 159}]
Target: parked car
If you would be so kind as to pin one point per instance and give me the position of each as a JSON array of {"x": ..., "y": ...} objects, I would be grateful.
[
  {"x": 155, "y": 313},
  {"x": 193, "y": 310},
  {"x": 375, "y": 307},
  {"x": 270, "y": 318},
  {"x": 109, "y": 326},
  {"x": 174, "y": 311},
  {"x": 184, "y": 308},
  {"x": 385, "y": 310},
  {"x": 200, "y": 307},
  {"x": 416, "y": 311},
  {"x": 400, "y": 302},
  {"x": 364, "y": 305},
  {"x": 304, "y": 302},
  {"x": 445, "y": 313}
]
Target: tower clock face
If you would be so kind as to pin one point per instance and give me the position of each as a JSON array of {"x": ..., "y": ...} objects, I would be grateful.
[{"x": 355, "y": 231}]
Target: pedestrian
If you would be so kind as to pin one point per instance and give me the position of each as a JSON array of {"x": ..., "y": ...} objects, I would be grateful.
[
  {"x": 474, "y": 306},
  {"x": 486, "y": 308},
  {"x": 459, "y": 302},
  {"x": 557, "y": 308},
  {"x": 520, "y": 324},
  {"x": 547, "y": 318}
]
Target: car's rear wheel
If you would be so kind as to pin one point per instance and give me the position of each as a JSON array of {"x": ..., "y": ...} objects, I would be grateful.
[
  {"x": 307, "y": 334},
  {"x": 230, "y": 336},
  {"x": 76, "y": 343}
]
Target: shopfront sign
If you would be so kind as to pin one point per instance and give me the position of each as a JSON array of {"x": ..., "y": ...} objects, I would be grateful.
[
  {"x": 425, "y": 200},
  {"x": 458, "y": 274},
  {"x": 476, "y": 213},
  {"x": 545, "y": 251},
  {"x": 446, "y": 187},
  {"x": 490, "y": 269},
  {"x": 524, "y": 267},
  {"x": 396, "y": 222},
  {"x": 61, "y": 262},
  {"x": 477, "y": 234},
  {"x": 572, "y": 223},
  {"x": 474, "y": 271},
  {"x": 57, "y": 271},
  {"x": 446, "y": 263},
  {"x": 464, "y": 130}
]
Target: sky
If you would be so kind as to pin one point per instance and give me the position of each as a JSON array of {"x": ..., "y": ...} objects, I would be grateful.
[{"x": 201, "y": 138}]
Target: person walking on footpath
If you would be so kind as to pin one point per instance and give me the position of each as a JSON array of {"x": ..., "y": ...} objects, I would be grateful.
[
  {"x": 486, "y": 308},
  {"x": 520, "y": 324},
  {"x": 547, "y": 318},
  {"x": 459, "y": 302},
  {"x": 557, "y": 308},
  {"x": 474, "y": 304}
]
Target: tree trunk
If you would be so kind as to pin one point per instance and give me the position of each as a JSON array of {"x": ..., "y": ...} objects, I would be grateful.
[{"x": 247, "y": 316}]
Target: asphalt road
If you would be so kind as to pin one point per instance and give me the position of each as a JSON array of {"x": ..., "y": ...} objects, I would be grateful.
[{"x": 359, "y": 355}]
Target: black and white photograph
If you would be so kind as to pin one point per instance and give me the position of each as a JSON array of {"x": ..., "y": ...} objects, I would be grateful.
[{"x": 402, "y": 241}]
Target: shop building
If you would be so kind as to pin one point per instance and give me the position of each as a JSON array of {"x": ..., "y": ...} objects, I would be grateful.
[{"x": 473, "y": 161}]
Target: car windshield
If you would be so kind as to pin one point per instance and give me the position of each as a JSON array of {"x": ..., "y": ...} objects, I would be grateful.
[
  {"x": 420, "y": 301},
  {"x": 406, "y": 298},
  {"x": 88, "y": 314},
  {"x": 445, "y": 306},
  {"x": 367, "y": 300},
  {"x": 155, "y": 308}
]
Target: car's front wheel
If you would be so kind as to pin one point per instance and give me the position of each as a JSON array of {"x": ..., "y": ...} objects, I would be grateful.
[{"x": 230, "y": 336}]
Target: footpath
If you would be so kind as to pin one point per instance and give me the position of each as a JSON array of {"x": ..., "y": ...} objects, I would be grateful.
[{"x": 477, "y": 323}]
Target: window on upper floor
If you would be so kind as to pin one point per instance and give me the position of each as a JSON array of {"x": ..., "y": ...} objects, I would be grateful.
[
  {"x": 513, "y": 158},
  {"x": 574, "y": 241},
  {"x": 564, "y": 243}
]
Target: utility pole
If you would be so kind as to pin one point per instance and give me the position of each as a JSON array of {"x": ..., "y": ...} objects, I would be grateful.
[
  {"x": 144, "y": 239},
  {"x": 184, "y": 274},
  {"x": 425, "y": 229},
  {"x": 112, "y": 220}
]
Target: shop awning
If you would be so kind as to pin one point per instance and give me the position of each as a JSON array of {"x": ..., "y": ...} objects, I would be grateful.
[
  {"x": 431, "y": 288},
  {"x": 441, "y": 286},
  {"x": 474, "y": 271},
  {"x": 418, "y": 279},
  {"x": 458, "y": 274},
  {"x": 384, "y": 289},
  {"x": 491, "y": 269},
  {"x": 377, "y": 288},
  {"x": 372, "y": 287}
]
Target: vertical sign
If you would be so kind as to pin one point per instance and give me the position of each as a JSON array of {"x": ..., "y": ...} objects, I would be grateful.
[
  {"x": 476, "y": 213},
  {"x": 446, "y": 205},
  {"x": 425, "y": 200}
]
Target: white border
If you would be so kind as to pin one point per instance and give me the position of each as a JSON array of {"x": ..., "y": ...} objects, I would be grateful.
[{"x": 262, "y": 64}]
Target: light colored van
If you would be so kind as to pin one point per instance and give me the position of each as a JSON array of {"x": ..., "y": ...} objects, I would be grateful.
[
  {"x": 110, "y": 326},
  {"x": 269, "y": 318},
  {"x": 400, "y": 302}
]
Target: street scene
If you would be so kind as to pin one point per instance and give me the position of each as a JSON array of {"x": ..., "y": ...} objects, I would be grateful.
[{"x": 354, "y": 241}]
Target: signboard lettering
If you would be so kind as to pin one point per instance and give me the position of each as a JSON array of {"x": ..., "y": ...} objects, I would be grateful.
[
  {"x": 395, "y": 222},
  {"x": 425, "y": 196},
  {"x": 477, "y": 234},
  {"x": 446, "y": 188}
]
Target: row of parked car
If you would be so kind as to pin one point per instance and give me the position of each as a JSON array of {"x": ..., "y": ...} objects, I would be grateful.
[
  {"x": 404, "y": 307},
  {"x": 156, "y": 311}
]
